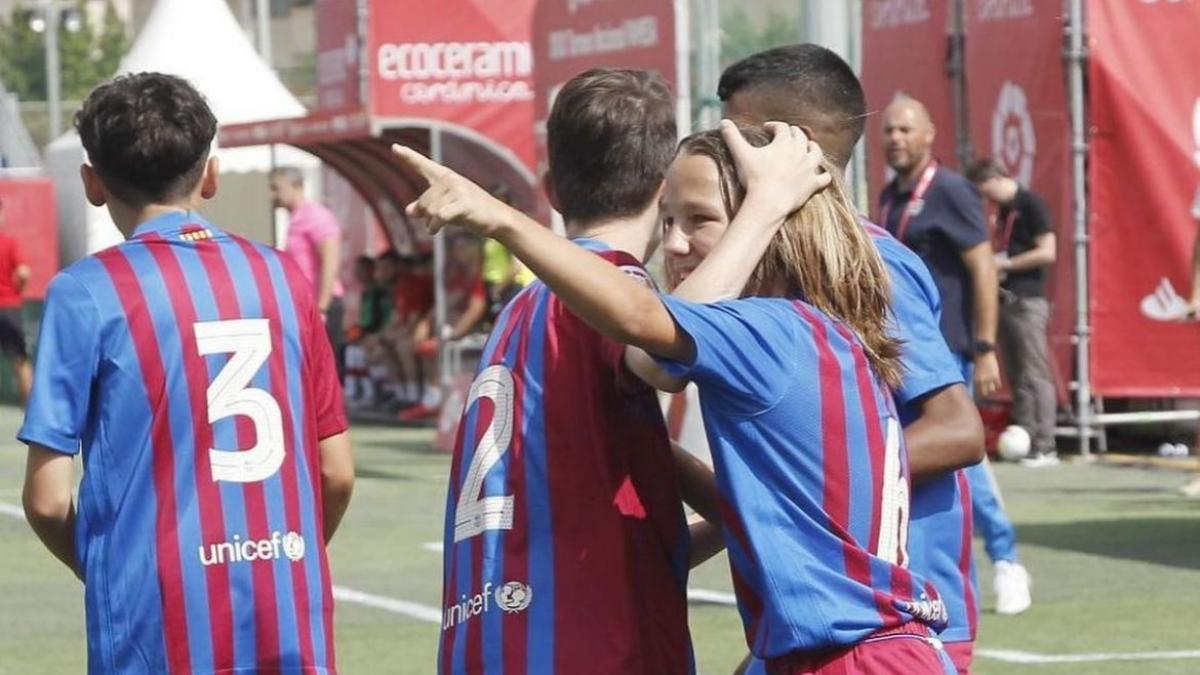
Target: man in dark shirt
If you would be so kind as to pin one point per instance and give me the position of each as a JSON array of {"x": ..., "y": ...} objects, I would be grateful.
[
  {"x": 939, "y": 215},
  {"x": 1024, "y": 244}
]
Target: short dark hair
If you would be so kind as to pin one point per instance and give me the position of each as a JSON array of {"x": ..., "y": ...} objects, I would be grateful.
[
  {"x": 984, "y": 169},
  {"x": 610, "y": 138},
  {"x": 147, "y": 135},
  {"x": 809, "y": 79}
]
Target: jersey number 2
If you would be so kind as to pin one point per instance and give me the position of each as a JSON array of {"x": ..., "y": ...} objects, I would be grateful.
[
  {"x": 476, "y": 513},
  {"x": 249, "y": 343},
  {"x": 893, "y": 509}
]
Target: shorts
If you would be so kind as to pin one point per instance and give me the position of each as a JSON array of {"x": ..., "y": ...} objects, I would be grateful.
[
  {"x": 12, "y": 333},
  {"x": 961, "y": 653},
  {"x": 908, "y": 649}
]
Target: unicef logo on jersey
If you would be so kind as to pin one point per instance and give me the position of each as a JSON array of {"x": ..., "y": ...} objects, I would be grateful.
[
  {"x": 1013, "y": 140},
  {"x": 237, "y": 550},
  {"x": 293, "y": 546},
  {"x": 514, "y": 597}
]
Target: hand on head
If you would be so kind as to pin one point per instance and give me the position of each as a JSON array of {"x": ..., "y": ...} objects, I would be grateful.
[{"x": 784, "y": 173}]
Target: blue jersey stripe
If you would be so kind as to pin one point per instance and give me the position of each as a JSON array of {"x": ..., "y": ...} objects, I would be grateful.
[
  {"x": 233, "y": 504},
  {"x": 540, "y": 528},
  {"x": 286, "y": 619},
  {"x": 138, "y": 533},
  {"x": 179, "y": 415},
  {"x": 301, "y": 453}
]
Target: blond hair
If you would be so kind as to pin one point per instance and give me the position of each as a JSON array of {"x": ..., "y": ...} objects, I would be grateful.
[{"x": 822, "y": 254}]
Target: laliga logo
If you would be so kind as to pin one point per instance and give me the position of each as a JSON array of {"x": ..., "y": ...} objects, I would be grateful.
[
  {"x": 514, "y": 597},
  {"x": 1013, "y": 140}
]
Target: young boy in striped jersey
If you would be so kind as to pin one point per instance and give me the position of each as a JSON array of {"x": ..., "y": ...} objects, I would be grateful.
[{"x": 191, "y": 370}]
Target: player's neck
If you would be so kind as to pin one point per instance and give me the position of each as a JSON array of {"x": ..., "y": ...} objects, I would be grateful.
[
  {"x": 128, "y": 218},
  {"x": 632, "y": 235}
]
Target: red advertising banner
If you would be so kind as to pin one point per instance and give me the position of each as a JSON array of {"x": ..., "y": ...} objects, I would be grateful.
[
  {"x": 31, "y": 219},
  {"x": 1144, "y": 171},
  {"x": 465, "y": 63},
  {"x": 339, "y": 55},
  {"x": 1017, "y": 102},
  {"x": 904, "y": 47},
  {"x": 572, "y": 36}
]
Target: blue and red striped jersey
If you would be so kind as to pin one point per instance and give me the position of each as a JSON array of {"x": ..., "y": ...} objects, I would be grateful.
[
  {"x": 566, "y": 548},
  {"x": 813, "y": 475},
  {"x": 192, "y": 370},
  {"x": 939, "y": 540}
]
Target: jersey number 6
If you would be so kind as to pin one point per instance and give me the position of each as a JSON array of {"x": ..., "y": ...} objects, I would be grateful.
[
  {"x": 476, "y": 513},
  {"x": 893, "y": 521},
  {"x": 229, "y": 394}
]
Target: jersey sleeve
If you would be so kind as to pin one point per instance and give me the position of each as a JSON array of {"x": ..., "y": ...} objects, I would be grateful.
[
  {"x": 328, "y": 405},
  {"x": 742, "y": 349},
  {"x": 965, "y": 224},
  {"x": 916, "y": 312},
  {"x": 68, "y": 356}
]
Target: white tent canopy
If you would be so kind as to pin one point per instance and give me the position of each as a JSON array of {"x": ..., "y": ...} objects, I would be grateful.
[{"x": 200, "y": 41}]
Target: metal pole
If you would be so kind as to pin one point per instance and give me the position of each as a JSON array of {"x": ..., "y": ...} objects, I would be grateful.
[
  {"x": 708, "y": 61},
  {"x": 832, "y": 25},
  {"x": 53, "y": 70},
  {"x": 439, "y": 276},
  {"x": 956, "y": 67},
  {"x": 263, "y": 24},
  {"x": 858, "y": 161},
  {"x": 1079, "y": 148},
  {"x": 683, "y": 71}
]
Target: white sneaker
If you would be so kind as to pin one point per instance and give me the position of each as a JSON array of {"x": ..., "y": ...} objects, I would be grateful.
[
  {"x": 1012, "y": 588},
  {"x": 1042, "y": 460},
  {"x": 1192, "y": 489}
]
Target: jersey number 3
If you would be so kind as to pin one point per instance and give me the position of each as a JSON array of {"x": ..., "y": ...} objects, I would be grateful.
[
  {"x": 475, "y": 513},
  {"x": 248, "y": 341}
]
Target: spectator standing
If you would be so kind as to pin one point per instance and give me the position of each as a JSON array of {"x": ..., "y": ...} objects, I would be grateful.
[
  {"x": 314, "y": 241},
  {"x": 939, "y": 215},
  {"x": 14, "y": 273},
  {"x": 1025, "y": 247}
]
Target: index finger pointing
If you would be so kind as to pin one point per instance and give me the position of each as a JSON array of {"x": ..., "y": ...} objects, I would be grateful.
[{"x": 422, "y": 165}]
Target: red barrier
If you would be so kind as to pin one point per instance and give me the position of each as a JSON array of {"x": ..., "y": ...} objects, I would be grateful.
[
  {"x": 31, "y": 219},
  {"x": 904, "y": 50},
  {"x": 572, "y": 37},
  {"x": 1144, "y": 102}
]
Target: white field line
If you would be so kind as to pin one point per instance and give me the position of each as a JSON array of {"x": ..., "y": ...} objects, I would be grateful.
[
  {"x": 711, "y": 597},
  {"x": 410, "y": 609},
  {"x": 433, "y": 615},
  {"x": 1014, "y": 656},
  {"x": 12, "y": 510}
]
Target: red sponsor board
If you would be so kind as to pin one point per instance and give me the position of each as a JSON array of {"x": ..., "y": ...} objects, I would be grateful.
[
  {"x": 904, "y": 47},
  {"x": 572, "y": 36},
  {"x": 1018, "y": 110},
  {"x": 1144, "y": 172},
  {"x": 465, "y": 64},
  {"x": 339, "y": 55},
  {"x": 31, "y": 219}
]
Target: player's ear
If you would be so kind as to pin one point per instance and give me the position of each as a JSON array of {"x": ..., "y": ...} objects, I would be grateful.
[
  {"x": 208, "y": 181},
  {"x": 548, "y": 186},
  {"x": 93, "y": 187}
]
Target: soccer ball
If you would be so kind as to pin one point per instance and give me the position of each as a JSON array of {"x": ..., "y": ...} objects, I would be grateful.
[{"x": 1013, "y": 443}]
